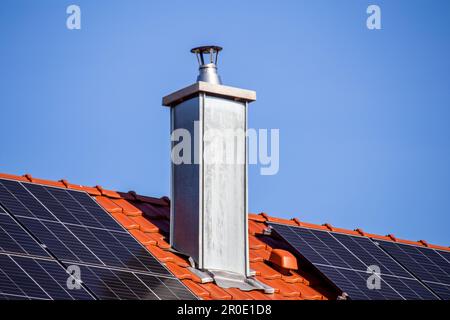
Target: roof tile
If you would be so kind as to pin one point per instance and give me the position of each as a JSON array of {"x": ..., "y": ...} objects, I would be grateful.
[
  {"x": 160, "y": 254},
  {"x": 257, "y": 217},
  {"x": 108, "y": 193},
  {"x": 265, "y": 270},
  {"x": 278, "y": 220},
  {"x": 108, "y": 204},
  {"x": 145, "y": 225},
  {"x": 127, "y": 207},
  {"x": 181, "y": 273},
  {"x": 197, "y": 289},
  {"x": 126, "y": 222},
  {"x": 142, "y": 237},
  {"x": 53, "y": 183},
  {"x": 90, "y": 190},
  {"x": 216, "y": 292},
  {"x": 12, "y": 177},
  {"x": 256, "y": 244},
  {"x": 310, "y": 225},
  {"x": 282, "y": 287},
  {"x": 255, "y": 227},
  {"x": 237, "y": 294}
]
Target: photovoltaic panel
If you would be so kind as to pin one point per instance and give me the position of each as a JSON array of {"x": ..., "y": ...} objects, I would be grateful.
[
  {"x": 441, "y": 290},
  {"x": 113, "y": 284},
  {"x": 77, "y": 231},
  {"x": 35, "y": 278},
  {"x": 354, "y": 283},
  {"x": 367, "y": 252},
  {"x": 426, "y": 264},
  {"x": 60, "y": 241},
  {"x": 167, "y": 288},
  {"x": 345, "y": 259},
  {"x": 14, "y": 239},
  {"x": 23, "y": 203}
]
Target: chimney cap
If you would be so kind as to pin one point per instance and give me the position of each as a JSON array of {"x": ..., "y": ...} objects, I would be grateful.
[
  {"x": 208, "y": 70},
  {"x": 206, "y": 49}
]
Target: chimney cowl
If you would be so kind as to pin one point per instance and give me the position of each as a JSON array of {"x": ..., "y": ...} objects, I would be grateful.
[{"x": 208, "y": 67}]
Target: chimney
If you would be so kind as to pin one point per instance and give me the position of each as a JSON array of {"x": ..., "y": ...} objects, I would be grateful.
[{"x": 208, "y": 219}]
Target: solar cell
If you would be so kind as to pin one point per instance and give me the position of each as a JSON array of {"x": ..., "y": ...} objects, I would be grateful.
[
  {"x": 114, "y": 284},
  {"x": 427, "y": 265},
  {"x": 27, "y": 205},
  {"x": 441, "y": 290},
  {"x": 365, "y": 250},
  {"x": 354, "y": 283},
  {"x": 419, "y": 261},
  {"x": 52, "y": 278},
  {"x": 14, "y": 239},
  {"x": 76, "y": 231},
  {"x": 31, "y": 278},
  {"x": 345, "y": 259}
]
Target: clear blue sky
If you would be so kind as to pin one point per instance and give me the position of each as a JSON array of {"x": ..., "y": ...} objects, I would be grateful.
[{"x": 364, "y": 116}]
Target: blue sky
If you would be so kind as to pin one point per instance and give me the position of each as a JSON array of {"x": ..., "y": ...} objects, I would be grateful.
[{"x": 363, "y": 115}]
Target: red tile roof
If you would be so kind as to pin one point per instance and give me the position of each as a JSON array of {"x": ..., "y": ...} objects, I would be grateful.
[{"x": 147, "y": 219}]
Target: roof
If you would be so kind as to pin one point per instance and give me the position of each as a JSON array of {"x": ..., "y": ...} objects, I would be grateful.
[{"x": 147, "y": 219}]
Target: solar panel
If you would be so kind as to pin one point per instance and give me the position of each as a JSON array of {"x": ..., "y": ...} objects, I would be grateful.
[
  {"x": 124, "y": 285},
  {"x": 426, "y": 264},
  {"x": 345, "y": 259},
  {"x": 77, "y": 231},
  {"x": 14, "y": 238},
  {"x": 32, "y": 278}
]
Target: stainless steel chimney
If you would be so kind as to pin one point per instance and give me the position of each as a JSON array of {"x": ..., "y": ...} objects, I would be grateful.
[
  {"x": 208, "y": 70},
  {"x": 209, "y": 221}
]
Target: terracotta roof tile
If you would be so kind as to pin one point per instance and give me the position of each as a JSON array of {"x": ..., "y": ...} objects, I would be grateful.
[
  {"x": 237, "y": 294},
  {"x": 145, "y": 225},
  {"x": 257, "y": 217},
  {"x": 282, "y": 287},
  {"x": 181, "y": 273},
  {"x": 150, "y": 200},
  {"x": 197, "y": 289},
  {"x": 216, "y": 292},
  {"x": 265, "y": 271},
  {"x": 108, "y": 193},
  {"x": 255, "y": 227},
  {"x": 310, "y": 225},
  {"x": 153, "y": 212},
  {"x": 126, "y": 222},
  {"x": 127, "y": 207},
  {"x": 258, "y": 295},
  {"x": 90, "y": 190},
  {"x": 309, "y": 293},
  {"x": 256, "y": 244},
  {"x": 160, "y": 254},
  {"x": 294, "y": 278},
  {"x": 278, "y": 220},
  {"x": 12, "y": 177},
  {"x": 142, "y": 237},
  {"x": 53, "y": 183},
  {"x": 109, "y": 205}
]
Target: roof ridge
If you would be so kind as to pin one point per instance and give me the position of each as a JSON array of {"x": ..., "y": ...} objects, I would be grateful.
[
  {"x": 261, "y": 217},
  {"x": 93, "y": 191}
]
